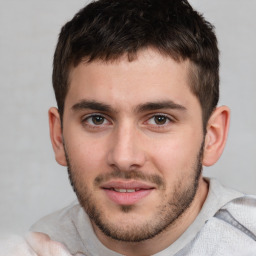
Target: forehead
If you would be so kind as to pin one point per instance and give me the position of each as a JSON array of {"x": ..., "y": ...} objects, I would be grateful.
[{"x": 149, "y": 77}]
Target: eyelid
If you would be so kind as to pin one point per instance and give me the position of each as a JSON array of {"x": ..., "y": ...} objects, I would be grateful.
[
  {"x": 90, "y": 115},
  {"x": 158, "y": 127},
  {"x": 171, "y": 118}
]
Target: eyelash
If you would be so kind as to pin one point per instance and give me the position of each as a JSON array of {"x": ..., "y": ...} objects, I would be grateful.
[
  {"x": 94, "y": 126},
  {"x": 168, "y": 120},
  {"x": 106, "y": 119}
]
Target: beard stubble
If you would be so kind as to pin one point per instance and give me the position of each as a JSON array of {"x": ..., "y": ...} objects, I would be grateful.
[{"x": 166, "y": 214}]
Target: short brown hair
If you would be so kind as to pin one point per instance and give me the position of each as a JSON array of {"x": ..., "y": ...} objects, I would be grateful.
[{"x": 108, "y": 29}]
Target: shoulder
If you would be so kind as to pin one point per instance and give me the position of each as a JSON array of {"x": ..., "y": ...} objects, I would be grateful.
[
  {"x": 231, "y": 231},
  {"x": 60, "y": 219},
  {"x": 68, "y": 226},
  {"x": 233, "y": 228},
  {"x": 240, "y": 213},
  {"x": 71, "y": 226},
  {"x": 62, "y": 225}
]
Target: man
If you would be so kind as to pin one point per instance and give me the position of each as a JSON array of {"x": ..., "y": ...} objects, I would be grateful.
[{"x": 136, "y": 83}]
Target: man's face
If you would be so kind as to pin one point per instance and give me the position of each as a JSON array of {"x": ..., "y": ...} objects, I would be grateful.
[{"x": 133, "y": 140}]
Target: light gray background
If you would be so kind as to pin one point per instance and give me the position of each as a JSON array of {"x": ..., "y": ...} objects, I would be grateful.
[{"x": 31, "y": 183}]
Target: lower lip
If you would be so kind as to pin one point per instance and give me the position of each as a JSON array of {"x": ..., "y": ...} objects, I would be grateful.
[{"x": 127, "y": 198}]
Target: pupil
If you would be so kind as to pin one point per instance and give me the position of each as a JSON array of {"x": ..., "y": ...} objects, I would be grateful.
[
  {"x": 160, "y": 120},
  {"x": 98, "y": 120}
]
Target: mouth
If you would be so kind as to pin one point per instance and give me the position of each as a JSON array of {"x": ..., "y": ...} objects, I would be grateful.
[
  {"x": 127, "y": 193},
  {"x": 123, "y": 190}
]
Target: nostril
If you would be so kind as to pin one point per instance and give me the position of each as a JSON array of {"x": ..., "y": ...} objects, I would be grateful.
[{"x": 129, "y": 161}]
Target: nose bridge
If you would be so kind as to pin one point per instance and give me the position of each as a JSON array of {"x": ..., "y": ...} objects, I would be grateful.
[{"x": 126, "y": 152}]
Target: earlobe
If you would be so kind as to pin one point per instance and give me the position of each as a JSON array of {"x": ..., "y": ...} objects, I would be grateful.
[
  {"x": 56, "y": 136},
  {"x": 216, "y": 136}
]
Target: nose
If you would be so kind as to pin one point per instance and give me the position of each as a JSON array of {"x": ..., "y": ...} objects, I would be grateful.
[{"x": 126, "y": 151}]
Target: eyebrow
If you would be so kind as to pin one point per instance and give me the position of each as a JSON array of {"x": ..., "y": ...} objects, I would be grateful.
[
  {"x": 94, "y": 105},
  {"x": 149, "y": 106},
  {"x": 159, "y": 105}
]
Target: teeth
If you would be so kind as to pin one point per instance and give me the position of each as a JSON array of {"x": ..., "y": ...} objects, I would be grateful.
[
  {"x": 122, "y": 190},
  {"x": 130, "y": 190}
]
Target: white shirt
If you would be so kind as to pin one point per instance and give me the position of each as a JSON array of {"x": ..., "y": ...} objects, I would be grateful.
[{"x": 226, "y": 225}]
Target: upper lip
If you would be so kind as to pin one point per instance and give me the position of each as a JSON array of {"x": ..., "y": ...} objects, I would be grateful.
[{"x": 127, "y": 185}]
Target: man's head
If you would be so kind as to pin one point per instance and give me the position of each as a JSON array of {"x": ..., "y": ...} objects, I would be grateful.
[
  {"x": 107, "y": 30},
  {"x": 137, "y": 86}
]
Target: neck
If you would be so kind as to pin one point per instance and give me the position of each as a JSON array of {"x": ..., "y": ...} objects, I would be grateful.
[{"x": 165, "y": 238}]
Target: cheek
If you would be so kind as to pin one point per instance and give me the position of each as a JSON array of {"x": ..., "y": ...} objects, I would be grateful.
[
  {"x": 175, "y": 156},
  {"x": 87, "y": 156}
]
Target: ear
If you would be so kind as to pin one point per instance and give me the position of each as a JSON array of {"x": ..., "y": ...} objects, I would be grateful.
[
  {"x": 56, "y": 136},
  {"x": 216, "y": 136}
]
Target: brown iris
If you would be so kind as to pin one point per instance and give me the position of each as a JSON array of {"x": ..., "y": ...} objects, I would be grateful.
[
  {"x": 98, "y": 120},
  {"x": 160, "y": 120}
]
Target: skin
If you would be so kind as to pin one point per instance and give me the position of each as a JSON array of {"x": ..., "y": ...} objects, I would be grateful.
[
  {"x": 130, "y": 141},
  {"x": 34, "y": 244}
]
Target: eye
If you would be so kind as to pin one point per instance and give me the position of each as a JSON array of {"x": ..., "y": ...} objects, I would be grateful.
[
  {"x": 159, "y": 120},
  {"x": 95, "y": 120}
]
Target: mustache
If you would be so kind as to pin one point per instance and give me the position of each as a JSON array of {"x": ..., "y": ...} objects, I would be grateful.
[{"x": 130, "y": 175}]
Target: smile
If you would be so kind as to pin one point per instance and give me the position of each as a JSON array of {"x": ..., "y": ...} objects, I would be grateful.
[
  {"x": 126, "y": 193},
  {"x": 122, "y": 190}
]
